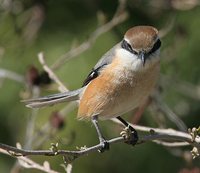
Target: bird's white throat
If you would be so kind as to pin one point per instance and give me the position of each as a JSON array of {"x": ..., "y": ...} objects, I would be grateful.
[{"x": 133, "y": 62}]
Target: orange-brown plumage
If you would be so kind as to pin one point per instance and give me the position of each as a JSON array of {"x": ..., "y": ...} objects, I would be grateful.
[
  {"x": 112, "y": 94},
  {"x": 125, "y": 83},
  {"x": 97, "y": 94}
]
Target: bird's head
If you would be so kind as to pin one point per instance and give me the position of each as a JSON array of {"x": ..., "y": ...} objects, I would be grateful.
[{"x": 142, "y": 43}]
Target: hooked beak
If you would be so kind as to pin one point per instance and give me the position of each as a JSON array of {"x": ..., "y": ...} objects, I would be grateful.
[{"x": 142, "y": 57}]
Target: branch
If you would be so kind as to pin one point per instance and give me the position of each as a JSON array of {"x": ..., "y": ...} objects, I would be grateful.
[
  {"x": 169, "y": 26},
  {"x": 165, "y": 109},
  {"x": 50, "y": 72},
  {"x": 30, "y": 127},
  {"x": 154, "y": 134},
  {"x": 120, "y": 16},
  {"x": 30, "y": 164},
  {"x": 11, "y": 75},
  {"x": 184, "y": 87}
]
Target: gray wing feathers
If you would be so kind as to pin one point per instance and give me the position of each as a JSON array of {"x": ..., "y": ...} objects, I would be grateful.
[
  {"x": 104, "y": 61},
  {"x": 107, "y": 58},
  {"x": 53, "y": 99}
]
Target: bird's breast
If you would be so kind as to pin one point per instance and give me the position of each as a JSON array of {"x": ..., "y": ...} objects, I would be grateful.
[{"x": 116, "y": 90}]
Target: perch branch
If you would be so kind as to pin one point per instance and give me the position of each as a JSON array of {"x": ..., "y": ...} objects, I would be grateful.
[{"x": 155, "y": 134}]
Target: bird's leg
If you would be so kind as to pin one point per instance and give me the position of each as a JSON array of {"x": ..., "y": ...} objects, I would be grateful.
[
  {"x": 129, "y": 133},
  {"x": 103, "y": 142}
]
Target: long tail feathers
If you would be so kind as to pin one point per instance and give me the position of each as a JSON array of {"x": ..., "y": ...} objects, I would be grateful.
[{"x": 53, "y": 99}]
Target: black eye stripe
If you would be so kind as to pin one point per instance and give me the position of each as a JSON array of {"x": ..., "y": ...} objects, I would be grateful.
[
  {"x": 155, "y": 47},
  {"x": 125, "y": 45}
]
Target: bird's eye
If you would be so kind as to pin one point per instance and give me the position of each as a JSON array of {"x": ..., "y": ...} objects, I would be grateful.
[
  {"x": 125, "y": 45},
  {"x": 155, "y": 47}
]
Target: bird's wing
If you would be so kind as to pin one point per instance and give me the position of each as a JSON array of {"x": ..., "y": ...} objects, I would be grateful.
[
  {"x": 73, "y": 95},
  {"x": 105, "y": 60}
]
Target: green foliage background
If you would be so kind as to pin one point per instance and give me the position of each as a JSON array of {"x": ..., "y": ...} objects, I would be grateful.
[{"x": 72, "y": 21}]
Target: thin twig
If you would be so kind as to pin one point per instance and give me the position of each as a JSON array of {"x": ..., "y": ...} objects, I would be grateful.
[
  {"x": 164, "y": 108},
  {"x": 68, "y": 168},
  {"x": 30, "y": 164},
  {"x": 169, "y": 26},
  {"x": 52, "y": 75},
  {"x": 171, "y": 144},
  {"x": 120, "y": 16},
  {"x": 183, "y": 87},
  {"x": 44, "y": 134},
  {"x": 31, "y": 122},
  {"x": 11, "y": 75},
  {"x": 25, "y": 162}
]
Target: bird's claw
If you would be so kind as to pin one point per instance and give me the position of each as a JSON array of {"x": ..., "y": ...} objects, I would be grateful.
[
  {"x": 130, "y": 135},
  {"x": 105, "y": 146}
]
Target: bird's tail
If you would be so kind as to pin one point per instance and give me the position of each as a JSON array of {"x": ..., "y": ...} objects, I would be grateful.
[{"x": 53, "y": 99}]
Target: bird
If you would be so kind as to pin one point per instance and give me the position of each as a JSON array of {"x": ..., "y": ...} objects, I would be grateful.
[{"x": 121, "y": 81}]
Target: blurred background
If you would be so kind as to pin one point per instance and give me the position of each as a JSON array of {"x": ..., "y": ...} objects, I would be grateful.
[{"x": 28, "y": 27}]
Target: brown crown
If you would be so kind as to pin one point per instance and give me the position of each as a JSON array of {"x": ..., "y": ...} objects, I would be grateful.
[{"x": 141, "y": 38}]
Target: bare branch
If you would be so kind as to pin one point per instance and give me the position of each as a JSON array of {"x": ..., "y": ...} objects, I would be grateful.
[
  {"x": 11, "y": 75},
  {"x": 120, "y": 16},
  {"x": 154, "y": 134},
  {"x": 169, "y": 26},
  {"x": 68, "y": 168},
  {"x": 31, "y": 121},
  {"x": 183, "y": 87},
  {"x": 30, "y": 164},
  {"x": 25, "y": 162},
  {"x": 164, "y": 108},
  {"x": 52, "y": 75},
  {"x": 168, "y": 135},
  {"x": 171, "y": 144}
]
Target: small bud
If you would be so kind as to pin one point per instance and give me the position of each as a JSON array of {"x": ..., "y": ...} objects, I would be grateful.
[
  {"x": 44, "y": 78},
  {"x": 32, "y": 76},
  {"x": 195, "y": 152},
  {"x": 152, "y": 132},
  {"x": 56, "y": 120}
]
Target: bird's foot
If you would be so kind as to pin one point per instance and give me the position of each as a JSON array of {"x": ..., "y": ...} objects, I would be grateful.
[
  {"x": 104, "y": 146},
  {"x": 130, "y": 135}
]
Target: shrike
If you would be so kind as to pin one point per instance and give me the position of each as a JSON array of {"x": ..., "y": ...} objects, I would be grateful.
[{"x": 120, "y": 81}]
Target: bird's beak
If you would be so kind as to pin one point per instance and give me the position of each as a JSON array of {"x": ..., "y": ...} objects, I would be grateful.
[{"x": 142, "y": 57}]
